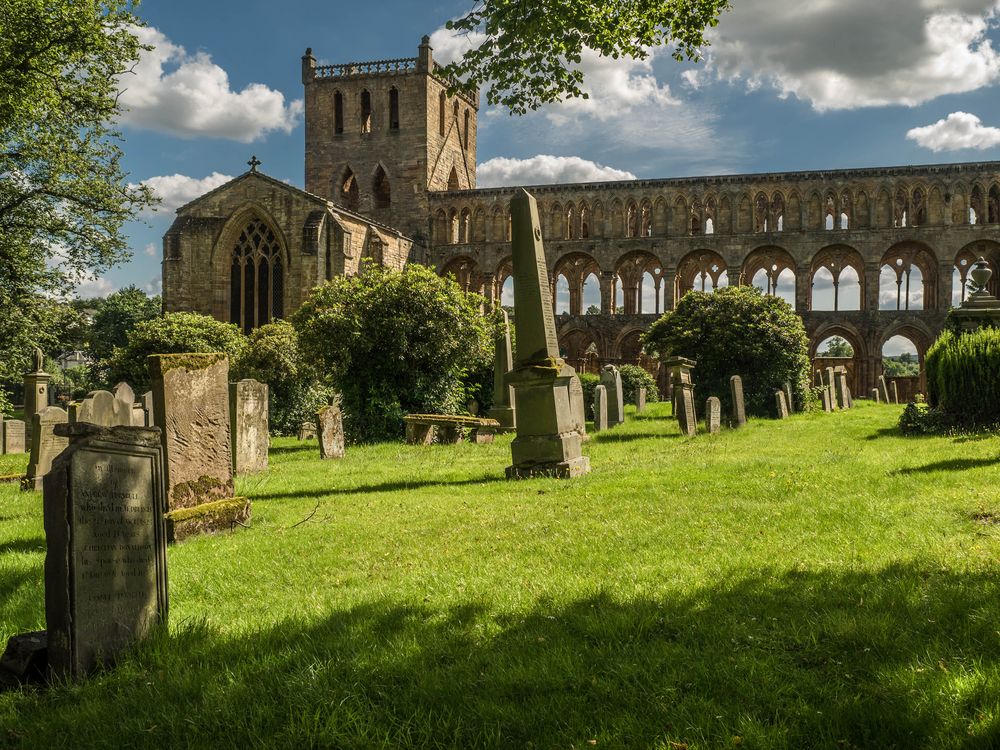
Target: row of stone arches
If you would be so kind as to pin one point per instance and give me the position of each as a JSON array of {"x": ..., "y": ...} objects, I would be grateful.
[{"x": 365, "y": 111}]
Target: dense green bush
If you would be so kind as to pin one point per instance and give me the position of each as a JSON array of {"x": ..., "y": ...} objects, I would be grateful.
[
  {"x": 116, "y": 315},
  {"x": 173, "y": 333},
  {"x": 397, "y": 342},
  {"x": 272, "y": 355},
  {"x": 963, "y": 377},
  {"x": 589, "y": 383},
  {"x": 736, "y": 331},
  {"x": 634, "y": 378}
]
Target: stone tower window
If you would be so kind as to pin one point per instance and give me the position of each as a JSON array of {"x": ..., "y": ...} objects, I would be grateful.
[
  {"x": 349, "y": 191},
  {"x": 338, "y": 112},
  {"x": 366, "y": 111},
  {"x": 381, "y": 189},
  {"x": 256, "y": 278},
  {"x": 453, "y": 180},
  {"x": 441, "y": 113},
  {"x": 393, "y": 109}
]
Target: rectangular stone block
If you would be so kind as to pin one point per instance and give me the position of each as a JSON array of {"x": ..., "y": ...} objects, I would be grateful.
[
  {"x": 330, "y": 423},
  {"x": 248, "y": 425},
  {"x": 13, "y": 436},
  {"x": 600, "y": 408},
  {"x": 738, "y": 406},
  {"x": 713, "y": 415},
  {"x": 781, "y": 405},
  {"x": 640, "y": 400}
]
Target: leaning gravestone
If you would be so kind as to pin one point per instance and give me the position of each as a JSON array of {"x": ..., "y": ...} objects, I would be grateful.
[
  {"x": 578, "y": 407},
  {"x": 503, "y": 410},
  {"x": 248, "y": 425},
  {"x": 330, "y": 421},
  {"x": 876, "y": 396},
  {"x": 547, "y": 443},
  {"x": 827, "y": 400},
  {"x": 600, "y": 408},
  {"x": 611, "y": 379},
  {"x": 789, "y": 400},
  {"x": 895, "y": 393},
  {"x": 883, "y": 388},
  {"x": 687, "y": 417},
  {"x": 781, "y": 404},
  {"x": 739, "y": 414},
  {"x": 13, "y": 436},
  {"x": 191, "y": 408},
  {"x": 640, "y": 399},
  {"x": 106, "y": 564},
  {"x": 831, "y": 383},
  {"x": 45, "y": 445},
  {"x": 713, "y": 415}
]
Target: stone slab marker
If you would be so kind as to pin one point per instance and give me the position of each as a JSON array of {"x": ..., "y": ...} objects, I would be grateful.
[
  {"x": 248, "y": 425},
  {"x": 102, "y": 408},
  {"x": 781, "y": 404},
  {"x": 106, "y": 560},
  {"x": 739, "y": 411},
  {"x": 640, "y": 399},
  {"x": 789, "y": 399},
  {"x": 611, "y": 379},
  {"x": 45, "y": 445},
  {"x": 578, "y": 407},
  {"x": 547, "y": 443},
  {"x": 895, "y": 393},
  {"x": 147, "y": 407},
  {"x": 827, "y": 400},
  {"x": 600, "y": 408},
  {"x": 36, "y": 390},
  {"x": 330, "y": 426},
  {"x": 503, "y": 410},
  {"x": 687, "y": 416},
  {"x": 680, "y": 377},
  {"x": 713, "y": 415},
  {"x": 876, "y": 396},
  {"x": 14, "y": 437},
  {"x": 843, "y": 397},
  {"x": 884, "y": 388},
  {"x": 191, "y": 407},
  {"x": 307, "y": 431},
  {"x": 831, "y": 383}
]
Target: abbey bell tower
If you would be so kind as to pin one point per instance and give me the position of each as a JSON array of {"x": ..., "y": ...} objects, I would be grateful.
[{"x": 380, "y": 135}]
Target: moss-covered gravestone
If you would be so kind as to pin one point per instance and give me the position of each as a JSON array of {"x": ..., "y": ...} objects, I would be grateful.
[
  {"x": 738, "y": 415},
  {"x": 503, "y": 410},
  {"x": 781, "y": 404},
  {"x": 547, "y": 443},
  {"x": 611, "y": 379},
  {"x": 330, "y": 429},
  {"x": 248, "y": 424},
  {"x": 191, "y": 407}
]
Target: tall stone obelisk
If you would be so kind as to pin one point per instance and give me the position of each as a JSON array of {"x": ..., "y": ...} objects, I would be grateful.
[
  {"x": 503, "y": 410},
  {"x": 547, "y": 442}
]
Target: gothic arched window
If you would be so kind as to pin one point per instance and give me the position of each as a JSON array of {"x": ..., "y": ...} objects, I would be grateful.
[
  {"x": 338, "y": 112},
  {"x": 393, "y": 109},
  {"x": 256, "y": 278},
  {"x": 349, "y": 195},
  {"x": 381, "y": 189},
  {"x": 366, "y": 111}
]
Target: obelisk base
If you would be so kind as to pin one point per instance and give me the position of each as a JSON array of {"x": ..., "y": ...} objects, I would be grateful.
[{"x": 506, "y": 416}]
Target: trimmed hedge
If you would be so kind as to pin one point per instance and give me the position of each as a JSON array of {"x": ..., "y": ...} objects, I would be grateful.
[{"x": 963, "y": 377}]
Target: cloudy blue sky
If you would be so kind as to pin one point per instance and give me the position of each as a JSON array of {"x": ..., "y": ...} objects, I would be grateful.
[{"x": 813, "y": 84}]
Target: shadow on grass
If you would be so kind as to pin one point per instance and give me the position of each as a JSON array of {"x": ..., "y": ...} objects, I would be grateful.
[
  {"x": 34, "y": 544},
  {"x": 886, "y": 658},
  {"x": 306, "y": 445},
  {"x": 397, "y": 486},
  {"x": 952, "y": 464},
  {"x": 611, "y": 436}
]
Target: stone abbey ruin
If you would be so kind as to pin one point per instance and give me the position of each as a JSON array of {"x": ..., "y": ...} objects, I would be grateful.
[{"x": 390, "y": 175}]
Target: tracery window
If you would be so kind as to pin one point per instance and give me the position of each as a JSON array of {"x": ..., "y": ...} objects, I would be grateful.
[{"x": 256, "y": 278}]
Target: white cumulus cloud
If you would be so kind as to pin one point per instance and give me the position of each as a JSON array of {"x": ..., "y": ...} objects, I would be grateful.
[
  {"x": 545, "y": 170},
  {"x": 154, "y": 286},
  {"x": 859, "y": 53},
  {"x": 94, "y": 286},
  {"x": 151, "y": 250},
  {"x": 957, "y": 131},
  {"x": 174, "y": 190},
  {"x": 188, "y": 95}
]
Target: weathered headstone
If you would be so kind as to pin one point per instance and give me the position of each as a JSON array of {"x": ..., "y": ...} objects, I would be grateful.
[
  {"x": 600, "y": 408},
  {"x": 578, "y": 407},
  {"x": 687, "y": 416},
  {"x": 124, "y": 392},
  {"x": 789, "y": 400},
  {"x": 330, "y": 425},
  {"x": 713, "y": 415},
  {"x": 611, "y": 379},
  {"x": 831, "y": 383},
  {"x": 147, "y": 408},
  {"x": 827, "y": 399},
  {"x": 680, "y": 375},
  {"x": 883, "y": 388},
  {"x": 248, "y": 426},
  {"x": 640, "y": 399},
  {"x": 307, "y": 431},
  {"x": 504, "y": 409},
  {"x": 106, "y": 564},
  {"x": 843, "y": 399},
  {"x": 45, "y": 445},
  {"x": 14, "y": 437},
  {"x": 781, "y": 404},
  {"x": 36, "y": 390},
  {"x": 739, "y": 412},
  {"x": 191, "y": 408},
  {"x": 102, "y": 408},
  {"x": 547, "y": 444},
  {"x": 895, "y": 393}
]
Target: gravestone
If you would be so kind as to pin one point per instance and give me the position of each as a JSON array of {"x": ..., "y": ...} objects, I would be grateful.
[
  {"x": 147, "y": 408},
  {"x": 600, "y": 408},
  {"x": 45, "y": 445},
  {"x": 640, "y": 399},
  {"x": 102, "y": 408},
  {"x": 611, "y": 379},
  {"x": 876, "y": 396},
  {"x": 739, "y": 412},
  {"x": 713, "y": 415},
  {"x": 831, "y": 383},
  {"x": 191, "y": 408},
  {"x": 330, "y": 425},
  {"x": 789, "y": 400},
  {"x": 827, "y": 400},
  {"x": 680, "y": 375},
  {"x": 843, "y": 398},
  {"x": 687, "y": 416},
  {"x": 883, "y": 388},
  {"x": 781, "y": 404},
  {"x": 578, "y": 407},
  {"x": 307, "y": 431},
  {"x": 547, "y": 443},
  {"x": 248, "y": 425},
  {"x": 895, "y": 393},
  {"x": 36, "y": 390},
  {"x": 14, "y": 437},
  {"x": 106, "y": 561},
  {"x": 504, "y": 410}
]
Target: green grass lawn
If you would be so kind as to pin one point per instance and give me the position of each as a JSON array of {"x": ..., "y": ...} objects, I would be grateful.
[{"x": 819, "y": 582}]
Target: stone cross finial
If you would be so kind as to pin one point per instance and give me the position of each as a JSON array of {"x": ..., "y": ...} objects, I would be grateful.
[{"x": 254, "y": 163}]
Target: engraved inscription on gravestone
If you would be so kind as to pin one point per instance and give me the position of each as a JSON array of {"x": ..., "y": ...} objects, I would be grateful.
[{"x": 105, "y": 568}]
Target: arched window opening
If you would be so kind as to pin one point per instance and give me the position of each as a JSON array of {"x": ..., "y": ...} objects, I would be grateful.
[
  {"x": 709, "y": 223},
  {"x": 393, "y": 109},
  {"x": 823, "y": 286},
  {"x": 829, "y": 213},
  {"x": 849, "y": 290},
  {"x": 631, "y": 221},
  {"x": 584, "y": 223},
  {"x": 977, "y": 205},
  {"x": 453, "y": 180},
  {"x": 468, "y": 119},
  {"x": 709, "y": 226},
  {"x": 562, "y": 295},
  {"x": 381, "y": 189},
  {"x": 648, "y": 298},
  {"x": 570, "y": 228},
  {"x": 441, "y": 227},
  {"x": 993, "y": 209},
  {"x": 617, "y": 296},
  {"x": 349, "y": 196},
  {"x": 441, "y": 113},
  {"x": 453, "y": 227},
  {"x": 845, "y": 222},
  {"x": 646, "y": 221},
  {"x": 900, "y": 358},
  {"x": 835, "y": 348},
  {"x": 507, "y": 292},
  {"x": 465, "y": 226},
  {"x": 256, "y": 278},
  {"x": 901, "y": 209},
  {"x": 777, "y": 213},
  {"x": 918, "y": 214},
  {"x": 760, "y": 211},
  {"x": 338, "y": 112},
  {"x": 366, "y": 111},
  {"x": 901, "y": 286},
  {"x": 592, "y": 295}
]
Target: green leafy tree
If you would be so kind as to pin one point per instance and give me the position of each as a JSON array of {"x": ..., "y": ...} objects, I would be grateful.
[
  {"x": 273, "y": 356},
  {"x": 115, "y": 316},
  {"x": 838, "y": 347},
  {"x": 634, "y": 378},
  {"x": 528, "y": 52},
  {"x": 593, "y": 310},
  {"x": 736, "y": 331},
  {"x": 64, "y": 197},
  {"x": 396, "y": 342},
  {"x": 173, "y": 333}
]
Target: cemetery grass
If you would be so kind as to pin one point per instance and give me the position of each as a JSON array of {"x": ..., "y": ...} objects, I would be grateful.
[{"x": 819, "y": 582}]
